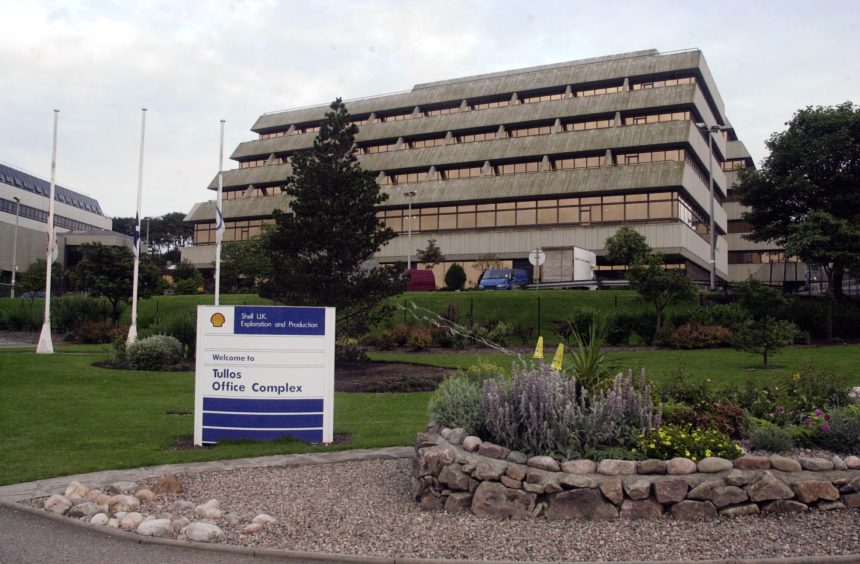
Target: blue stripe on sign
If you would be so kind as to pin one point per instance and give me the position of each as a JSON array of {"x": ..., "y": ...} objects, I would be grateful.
[
  {"x": 262, "y": 421},
  {"x": 263, "y": 405},
  {"x": 215, "y": 435},
  {"x": 278, "y": 320}
]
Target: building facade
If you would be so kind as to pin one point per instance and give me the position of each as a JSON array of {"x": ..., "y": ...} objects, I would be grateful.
[{"x": 495, "y": 165}]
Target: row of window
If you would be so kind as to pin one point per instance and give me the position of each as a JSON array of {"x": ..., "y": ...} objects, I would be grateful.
[
  {"x": 499, "y": 101},
  {"x": 263, "y": 162},
  {"x": 253, "y": 193},
  {"x": 242, "y": 230},
  {"x": 759, "y": 257},
  {"x": 738, "y": 226},
  {"x": 563, "y": 211},
  {"x": 734, "y": 164},
  {"x": 36, "y": 214}
]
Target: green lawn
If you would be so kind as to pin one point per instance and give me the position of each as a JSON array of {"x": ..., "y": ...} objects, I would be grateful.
[{"x": 61, "y": 416}]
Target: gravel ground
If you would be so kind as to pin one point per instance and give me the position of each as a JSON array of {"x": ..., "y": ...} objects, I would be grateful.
[{"x": 365, "y": 508}]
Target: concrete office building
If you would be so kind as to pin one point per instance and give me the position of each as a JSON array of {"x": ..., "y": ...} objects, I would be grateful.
[
  {"x": 77, "y": 218},
  {"x": 556, "y": 156}
]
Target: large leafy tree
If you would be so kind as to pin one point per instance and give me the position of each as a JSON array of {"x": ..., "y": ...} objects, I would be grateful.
[
  {"x": 168, "y": 233},
  {"x": 244, "y": 264},
  {"x": 806, "y": 194},
  {"x": 320, "y": 249},
  {"x": 627, "y": 246}
]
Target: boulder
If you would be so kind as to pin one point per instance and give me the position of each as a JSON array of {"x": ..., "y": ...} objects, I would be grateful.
[
  {"x": 76, "y": 489},
  {"x": 784, "y": 506},
  {"x": 702, "y": 492},
  {"x": 490, "y": 470},
  {"x": 457, "y": 436},
  {"x": 671, "y": 490},
  {"x": 85, "y": 509},
  {"x": 694, "y": 510},
  {"x": 637, "y": 489},
  {"x": 611, "y": 467},
  {"x": 471, "y": 443},
  {"x": 178, "y": 524},
  {"x": 853, "y": 485},
  {"x": 641, "y": 509},
  {"x": 204, "y": 532},
  {"x": 511, "y": 483},
  {"x": 155, "y": 528},
  {"x": 58, "y": 504},
  {"x": 453, "y": 477},
  {"x": 131, "y": 521},
  {"x": 613, "y": 490},
  {"x": 445, "y": 432},
  {"x": 252, "y": 528},
  {"x": 585, "y": 504},
  {"x": 815, "y": 464},
  {"x": 424, "y": 440},
  {"x": 208, "y": 510},
  {"x": 121, "y": 488},
  {"x": 167, "y": 484},
  {"x": 741, "y": 477},
  {"x": 144, "y": 495},
  {"x": 458, "y": 502},
  {"x": 548, "y": 480},
  {"x": 570, "y": 481},
  {"x": 714, "y": 464},
  {"x": 534, "y": 488},
  {"x": 784, "y": 464},
  {"x": 829, "y": 505},
  {"x": 651, "y": 466},
  {"x": 516, "y": 472},
  {"x": 579, "y": 467},
  {"x": 838, "y": 462},
  {"x": 768, "y": 488},
  {"x": 680, "y": 466},
  {"x": 122, "y": 502},
  {"x": 851, "y": 500},
  {"x": 431, "y": 501},
  {"x": 740, "y": 510},
  {"x": 113, "y": 523},
  {"x": 431, "y": 460},
  {"x": 728, "y": 495},
  {"x": 517, "y": 457},
  {"x": 544, "y": 463},
  {"x": 750, "y": 462},
  {"x": 264, "y": 518},
  {"x": 853, "y": 462},
  {"x": 99, "y": 519},
  {"x": 492, "y": 499},
  {"x": 491, "y": 450},
  {"x": 807, "y": 491}
]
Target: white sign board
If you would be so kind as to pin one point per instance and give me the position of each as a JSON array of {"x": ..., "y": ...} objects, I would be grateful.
[
  {"x": 263, "y": 373},
  {"x": 537, "y": 257}
]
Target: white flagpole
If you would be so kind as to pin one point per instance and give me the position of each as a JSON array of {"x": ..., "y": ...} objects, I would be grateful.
[
  {"x": 46, "y": 345},
  {"x": 219, "y": 219},
  {"x": 132, "y": 331}
]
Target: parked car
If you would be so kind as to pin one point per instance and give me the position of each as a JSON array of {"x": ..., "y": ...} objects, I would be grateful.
[
  {"x": 420, "y": 280},
  {"x": 503, "y": 279}
]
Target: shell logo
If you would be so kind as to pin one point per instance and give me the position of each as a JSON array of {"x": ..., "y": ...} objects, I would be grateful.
[{"x": 217, "y": 319}]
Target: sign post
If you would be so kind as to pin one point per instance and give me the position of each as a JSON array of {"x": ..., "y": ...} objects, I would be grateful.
[
  {"x": 537, "y": 257},
  {"x": 264, "y": 373}
]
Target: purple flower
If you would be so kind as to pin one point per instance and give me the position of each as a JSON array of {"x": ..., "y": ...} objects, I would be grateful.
[
  {"x": 827, "y": 417},
  {"x": 818, "y": 412},
  {"x": 780, "y": 409},
  {"x": 825, "y": 427},
  {"x": 807, "y": 422}
]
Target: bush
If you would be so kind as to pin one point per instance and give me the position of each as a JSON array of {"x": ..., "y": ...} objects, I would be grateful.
[
  {"x": 621, "y": 328},
  {"x": 24, "y": 319},
  {"x": 764, "y": 435},
  {"x": 842, "y": 432},
  {"x": 401, "y": 333},
  {"x": 724, "y": 416},
  {"x": 448, "y": 338},
  {"x": 101, "y": 332},
  {"x": 187, "y": 287},
  {"x": 184, "y": 329},
  {"x": 477, "y": 373},
  {"x": 589, "y": 364},
  {"x": 495, "y": 332},
  {"x": 419, "y": 338},
  {"x": 724, "y": 315},
  {"x": 681, "y": 388},
  {"x": 153, "y": 353},
  {"x": 579, "y": 322},
  {"x": 455, "y": 278},
  {"x": 670, "y": 441},
  {"x": 696, "y": 336},
  {"x": 457, "y": 402},
  {"x": 71, "y": 311},
  {"x": 384, "y": 340}
]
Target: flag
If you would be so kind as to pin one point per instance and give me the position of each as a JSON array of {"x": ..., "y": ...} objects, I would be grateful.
[
  {"x": 136, "y": 244},
  {"x": 219, "y": 224},
  {"x": 557, "y": 359},
  {"x": 55, "y": 249},
  {"x": 539, "y": 349}
]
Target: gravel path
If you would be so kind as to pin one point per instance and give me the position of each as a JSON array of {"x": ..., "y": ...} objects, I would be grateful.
[{"x": 365, "y": 508}]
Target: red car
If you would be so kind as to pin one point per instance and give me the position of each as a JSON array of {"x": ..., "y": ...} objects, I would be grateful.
[{"x": 420, "y": 280}]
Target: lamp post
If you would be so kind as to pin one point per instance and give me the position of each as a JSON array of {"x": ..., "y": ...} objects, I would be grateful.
[
  {"x": 410, "y": 194},
  {"x": 15, "y": 244},
  {"x": 711, "y": 129}
]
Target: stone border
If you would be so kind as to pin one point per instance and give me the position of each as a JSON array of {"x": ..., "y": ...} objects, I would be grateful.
[{"x": 456, "y": 472}]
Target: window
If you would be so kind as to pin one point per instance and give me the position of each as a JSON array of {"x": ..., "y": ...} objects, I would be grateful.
[
  {"x": 537, "y": 98},
  {"x": 649, "y": 84},
  {"x": 475, "y": 137},
  {"x": 530, "y": 131},
  {"x": 598, "y": 91}
]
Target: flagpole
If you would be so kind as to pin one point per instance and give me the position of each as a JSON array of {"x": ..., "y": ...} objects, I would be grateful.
[
  {"x": 132, "y": 331},
  {"x": 46, "y": 345},
  {"x": 219, "y": 219}
]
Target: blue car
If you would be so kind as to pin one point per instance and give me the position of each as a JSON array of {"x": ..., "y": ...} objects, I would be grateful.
[{"x": 503, "y": 279}]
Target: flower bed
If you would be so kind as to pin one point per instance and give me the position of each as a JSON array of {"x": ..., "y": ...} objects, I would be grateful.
[{"x": 458, "y": 472}]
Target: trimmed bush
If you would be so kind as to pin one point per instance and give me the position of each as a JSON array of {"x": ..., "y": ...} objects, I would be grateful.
[
  {"x": 724, "y": 315},
  {"x": 455, "y": 278},
  {"x": 764, "y": 435},
  {"x": 696, "y": 336},
  {"x": 72, "y": 311},
  {"x": 101, "y": 332},
  {"x": 457, "y": 402},
  {"x": 153, "y": 353}
]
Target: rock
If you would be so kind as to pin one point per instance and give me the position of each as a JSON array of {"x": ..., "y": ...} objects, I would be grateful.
[
  {"x": 113, "y": 523},
  {"x": 680, "y": 466},
  {"x": 424, "y": 440},
  {"x": 702, "y": 492},
  {"x": 838, "y": 463},
  {"x": 853, "y": 462},
  {"x": 93, "y": 495},
  {"x": 232, "y": 519},
  {"x": 459, "y": 502},
  {"x": 613, "y": 490},
  {"x": 252, "y": 528},
  {"x": 544, "y": 463},
  {"x": 580, "y": 504},
  {"x": 815, "y": 464},
  {"x": 155, "y": 528},
  {"x": 167, "y": 484},
  {"x": 102, "y": 499},
  {"x": 99, "y": 519},
  {"x": 767, "y": 488},
  {"x": 539, "y": 510},
  {"x": 491, "y": 450},
  {"x": 77, "y": 489},
  {"x": 651, "y": 466},
  {"x": 713, "y": 464},
  {"x": 184, "y": 505},
  {"x": 784, "y": 464},
  {"x": 517, "y": 457},
  {"x": 853, "y": 485},
  {"x": 457, "y": 436},
  {"x": 740, "y": 477},
  {"x": 638, "y": 489},
  {"x": 548, "y": 480},
  {"x": 784, "y": 506},
  {"x": 121, "y": 488},
  {"x": 495, "y": 500},
  {"x": 728, "y": 495},
  {"x": 178, "y": 524},
  {"x": 85, "y": 509},
  {"x": 672, "y": 490},
  {"x": 641, "y": 509},
  {"x": 511, "y": 483},
  {"x": 264, "y": 518},
  {"x": 204, "y": 532},
  {"x": 131, "y": 521},
  {"x": 490, "y": 470},
  {"x": 851, "y": 500},
  {"x": 534, "y": 488},
  {"x": 516, "y": 472},
  {"x": 453, "y": 477},
  {"x": 829, "y": 505},
  {"x": 611, "y": 467},
  {"x": 144, "y": 495},
  {"x": 431, "y": 501},
  {"x": 694, "y": 510},
  {"x": 122, "y": 502},
  {"x": 431, "y": 460},
  {"x": 854, "y": 394},
  {"x": 58, "y": 504},
  {"x": 471, "y": 443},
  {"x": 570, "y": 481},
  {"x": 445, "y": 432},
  {"x": 740, "y": 510},
  {"x": 579, "y": 467},
  {"x": 807, "y": 491},
  {"x": 208, "y": 510},
  {"x": 750, "y": 462}
]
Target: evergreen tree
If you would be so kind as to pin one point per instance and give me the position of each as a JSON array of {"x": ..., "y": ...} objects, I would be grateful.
[
  {"x": 321, "y": 247},
  {"x": 431, "y": 256},
  {"x": 455, "y": 278}
]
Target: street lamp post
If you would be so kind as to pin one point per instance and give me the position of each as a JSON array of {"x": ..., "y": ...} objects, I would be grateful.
[
  {"x": 711, "y": 129},
  {"x": 15, "y": 244},
  {"x": 410, "y": 194}
]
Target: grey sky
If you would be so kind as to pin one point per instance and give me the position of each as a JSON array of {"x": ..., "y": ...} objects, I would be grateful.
[{"x": 194, "y": 63}]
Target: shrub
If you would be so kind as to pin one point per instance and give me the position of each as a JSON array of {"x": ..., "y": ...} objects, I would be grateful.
[
  {"x": 457, "y": 402},
  {"x": 419, "y": 338},
  {"x": 187, "y": 287},
  {"x": 477, "y": 373},
  {"x": 495, "y": 332},
  {"x": 347, "y": 351},
  {"x": 724, "y": 315},
  {"x": 579, "y": 322},
  {"x": 447, "y": 338},
  {"x": 24, "y": 319},
  {"x": 670, "y": 441},
  {"x": 401, "y": 333},
  {"x": 765, "y": 337},
  {"x": 724, "y": 416},
  {"x": 696, "y": 336},
  {"x": 384, "y": 340},
  {"x": 681, "y": 388},
  {"x": 589, "y": 364},
  {"x": 621, "y": 329},
  {"x": 184, "y": 329},
  {"x": 153, "y": 353},
  {"x": 841, "y": 432},
  {"x": 71, "y": 311},
  {"x": 455, "y": 278},
  {"x": 101, "y": 332},
  {"x": 764, "y": 435}
]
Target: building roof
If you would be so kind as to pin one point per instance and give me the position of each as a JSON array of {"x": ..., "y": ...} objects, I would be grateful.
[{"x": 36, "y": 185}]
